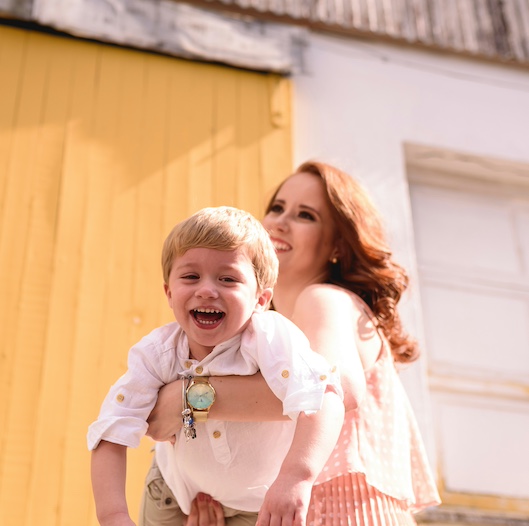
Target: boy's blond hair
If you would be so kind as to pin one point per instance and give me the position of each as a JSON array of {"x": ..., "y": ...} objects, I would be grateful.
[{"x": 224, "y": 228}]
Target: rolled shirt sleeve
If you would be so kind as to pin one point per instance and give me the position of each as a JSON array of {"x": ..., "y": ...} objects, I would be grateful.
[
  {"x": 124, "y": 412},
  {"x": 296, "y": 374}
]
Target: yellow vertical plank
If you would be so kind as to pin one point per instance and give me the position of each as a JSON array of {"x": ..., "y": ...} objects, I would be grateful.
[
  {"x": 56, "y": 361},
  {"x": 252, "y": 113},
  {"x": 54, "y": 423},
  {"x": 177, "y": 186},
  {"x": 92, "y": 350},
  {"x": 147, "y": 286},
  {"x": 123, "y": 78},
  {"x": 199, "y": 128},
  {"x": 225, "y": 109},
  {"x": 12, "y": 51},
  {"x": 25, "y": 255}
]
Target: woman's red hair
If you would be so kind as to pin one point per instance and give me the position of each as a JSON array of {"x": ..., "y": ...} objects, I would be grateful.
[{"x": 366, "y": 266}]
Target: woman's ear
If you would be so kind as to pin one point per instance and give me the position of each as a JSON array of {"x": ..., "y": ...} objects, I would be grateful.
[
  {"x": 339, "y": 249},
  {"x": 263, "y": 300}
]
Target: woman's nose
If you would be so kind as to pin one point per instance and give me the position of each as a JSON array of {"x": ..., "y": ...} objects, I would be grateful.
[
  {"x": 282, "y": 224},
  {"x": 276, "y": 223}
]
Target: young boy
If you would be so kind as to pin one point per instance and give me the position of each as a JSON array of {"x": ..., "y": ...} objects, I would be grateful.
[{"x": 219, "y": 269}]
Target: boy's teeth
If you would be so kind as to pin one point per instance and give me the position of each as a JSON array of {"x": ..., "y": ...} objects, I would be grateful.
[{"x": 208, "y": 311}]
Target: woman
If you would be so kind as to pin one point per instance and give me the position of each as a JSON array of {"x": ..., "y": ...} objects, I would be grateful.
[{"x": 339, "y": 284}]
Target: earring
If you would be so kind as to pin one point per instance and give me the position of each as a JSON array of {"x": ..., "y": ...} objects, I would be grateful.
[{"x": 334, "y": 260}]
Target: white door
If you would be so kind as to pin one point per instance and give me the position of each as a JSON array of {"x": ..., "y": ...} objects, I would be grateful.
[{"x": 472, "y": 242}]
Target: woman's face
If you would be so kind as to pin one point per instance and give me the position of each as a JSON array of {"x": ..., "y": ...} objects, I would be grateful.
[{"x": 302, "y": 229}]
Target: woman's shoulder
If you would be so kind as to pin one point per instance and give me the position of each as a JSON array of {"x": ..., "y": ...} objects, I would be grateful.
[{"x": 331, "y": 295}]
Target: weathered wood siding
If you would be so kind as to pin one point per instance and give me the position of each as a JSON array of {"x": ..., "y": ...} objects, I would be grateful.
[
  {"x": 493, "y": 29},
  {"x": 102, "y": 150}
]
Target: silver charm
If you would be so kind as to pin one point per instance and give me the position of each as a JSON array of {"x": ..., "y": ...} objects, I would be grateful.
[
  {"x": 189, "y": 424},
  {"x": 187, "y": 415}
]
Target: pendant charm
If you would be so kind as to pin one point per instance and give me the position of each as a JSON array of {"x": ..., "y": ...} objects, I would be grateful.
[{"x": 189, "y": 424}]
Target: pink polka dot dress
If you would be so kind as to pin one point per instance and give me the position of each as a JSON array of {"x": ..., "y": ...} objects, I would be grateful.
[{"x": 378, "y": 473}]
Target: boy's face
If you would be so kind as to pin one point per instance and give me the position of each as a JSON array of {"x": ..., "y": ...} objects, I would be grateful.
[{"x": 213, "y": 294}]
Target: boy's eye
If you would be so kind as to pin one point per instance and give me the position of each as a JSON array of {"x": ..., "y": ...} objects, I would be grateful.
[
  {"x": 189, "y": 276},
  {"x": 228, "y": 279}
]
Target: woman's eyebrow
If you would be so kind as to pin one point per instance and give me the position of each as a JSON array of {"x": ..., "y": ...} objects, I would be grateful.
[
  {"x": 307, "y": 207},
  {"x": 303, "y": 206}
]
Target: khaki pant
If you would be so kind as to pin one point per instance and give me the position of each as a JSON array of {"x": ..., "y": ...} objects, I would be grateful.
[{"x": 159, "y": 506}]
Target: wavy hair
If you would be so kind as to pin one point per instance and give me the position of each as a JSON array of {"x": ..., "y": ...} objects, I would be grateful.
[{"x": 366, "y": 266}]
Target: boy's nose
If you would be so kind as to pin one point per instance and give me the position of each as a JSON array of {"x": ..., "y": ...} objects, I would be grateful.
[{"x": 207, "y": 290}]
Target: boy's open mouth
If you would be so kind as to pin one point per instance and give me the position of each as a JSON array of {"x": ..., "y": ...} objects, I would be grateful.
[{"x": 207, "y": 316}]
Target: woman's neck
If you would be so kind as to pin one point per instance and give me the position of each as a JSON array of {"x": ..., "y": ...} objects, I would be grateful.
[
  {"x": 284, "y": 300},
  {"x": 287, "y": 291}
]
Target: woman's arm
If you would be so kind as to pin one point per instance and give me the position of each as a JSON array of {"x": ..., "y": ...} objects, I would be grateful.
[
  {"x": 239, "y": 398},
  {"x": 328, "y": 317},
  {"x": 330, "y": 320}
]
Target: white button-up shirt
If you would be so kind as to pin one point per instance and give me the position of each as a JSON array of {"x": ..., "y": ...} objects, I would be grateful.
[{"x": 234, "y": 462}]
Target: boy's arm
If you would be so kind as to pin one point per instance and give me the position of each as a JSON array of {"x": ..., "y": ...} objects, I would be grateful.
[
  {"x": 108, "y": 483},
  {"x": 287, "y": 500}
]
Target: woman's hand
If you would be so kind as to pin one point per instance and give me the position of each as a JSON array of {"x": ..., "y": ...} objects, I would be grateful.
[
  {"x": 205, "y": 512},
  {"x": 165, "y": 420}
]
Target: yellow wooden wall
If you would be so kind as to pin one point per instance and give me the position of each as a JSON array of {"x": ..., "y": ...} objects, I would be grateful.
[{"x": 102, "y": 150}]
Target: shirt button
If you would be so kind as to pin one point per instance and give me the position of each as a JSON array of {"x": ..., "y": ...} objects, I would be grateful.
[
  {"x": 216, "y": 434},
  {"x": 199, "y": 369},
  {"x": 333, "y": 370},
  {"x": 285, "y": 374},
  {"x": 188, "y": 364},
  {"x": 120, "y": 398},
  {"x": 323, "y": 377}
]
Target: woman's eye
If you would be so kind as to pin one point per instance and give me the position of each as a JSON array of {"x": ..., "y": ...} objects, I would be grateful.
[
  {"x": 276, "y": 208},
  {"x": 306, "y": 215}
]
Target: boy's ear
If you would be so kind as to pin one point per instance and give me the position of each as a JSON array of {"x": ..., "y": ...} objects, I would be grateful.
[
  {"x": 167, "y": 291},
  {"x": 263, "y": 300}
]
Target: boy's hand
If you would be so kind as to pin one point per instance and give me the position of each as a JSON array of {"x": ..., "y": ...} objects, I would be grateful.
[
  {"x": 117, "y": 519},
  {"x": 286, "y": 503}
]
